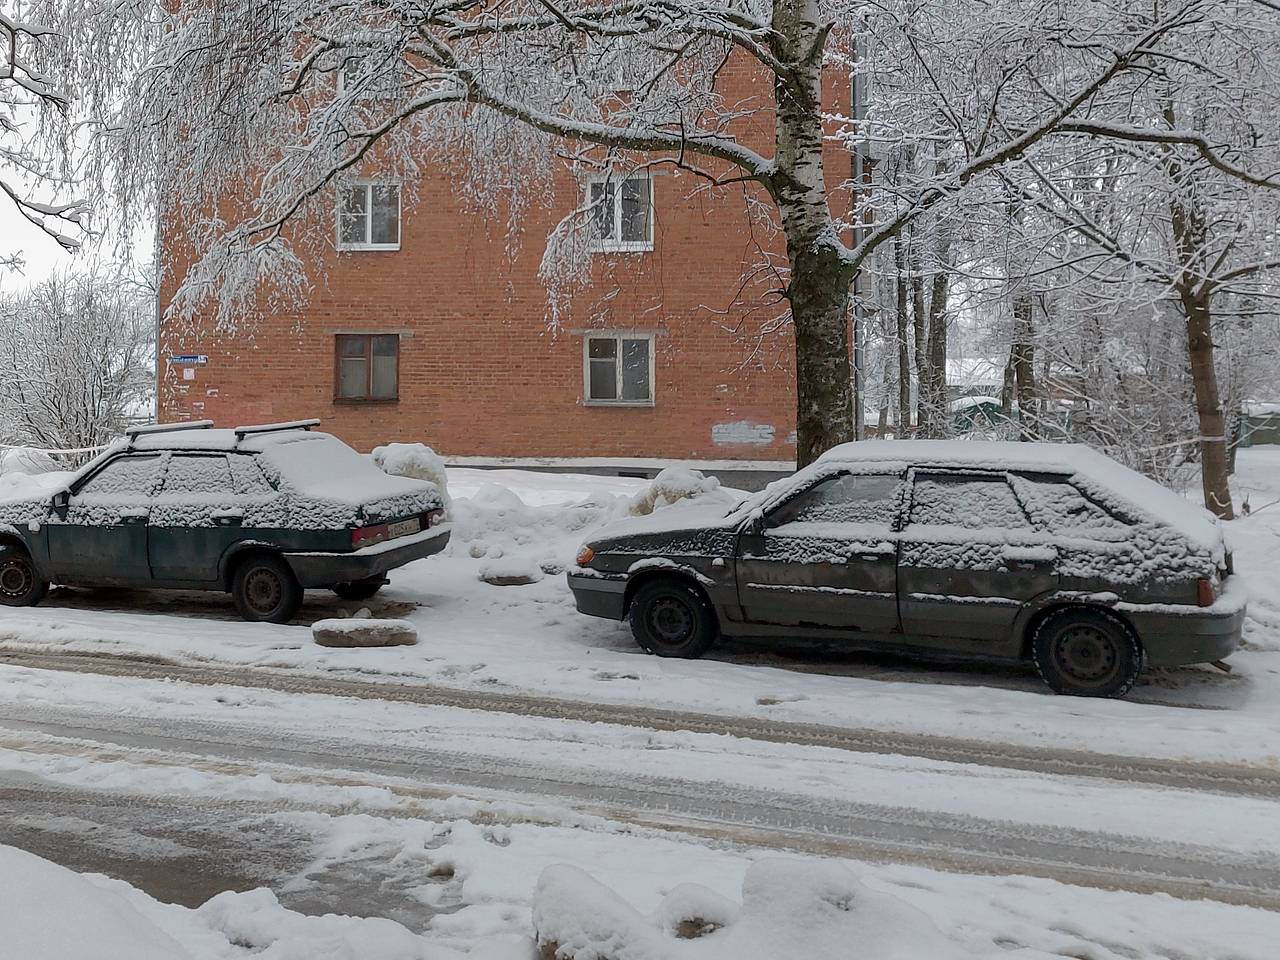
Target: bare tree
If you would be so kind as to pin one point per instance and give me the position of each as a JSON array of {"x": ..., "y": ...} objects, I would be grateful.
[{"x": 77, "y": 356}]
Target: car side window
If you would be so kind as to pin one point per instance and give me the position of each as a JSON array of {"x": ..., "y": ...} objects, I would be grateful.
[
  {"x": 124, "y": 478},
  {"x": 247, "y": 476},
  {"x": 1055, "y": 506},
  {"x": 965, "y": 500},
  {"x": 845, "y": 498},
  {"x": 198, "y": 474}
]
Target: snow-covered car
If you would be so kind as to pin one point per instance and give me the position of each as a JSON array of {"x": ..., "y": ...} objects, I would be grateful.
[
  {"x": 1048, "y": 552},
  {"x": 260, "y": 511}
]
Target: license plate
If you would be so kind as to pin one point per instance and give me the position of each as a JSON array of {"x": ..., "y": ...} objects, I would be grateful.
[{"x": 403, "y": 528}]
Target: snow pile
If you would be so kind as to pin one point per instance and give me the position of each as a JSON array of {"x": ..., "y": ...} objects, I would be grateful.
[
  {"x": 26, "y": 460},
  {"x": 49, "y": 913},
  {"x": 674, "y": 484},
  {"x": 415, "y": 460},
  {"x": 256, "y": 921},
  {"x": 516, "y": 539},
  {"x": 790, "y": 908}
]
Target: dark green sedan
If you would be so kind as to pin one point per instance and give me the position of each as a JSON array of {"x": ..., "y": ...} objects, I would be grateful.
[{"x": 260, "y": 511}]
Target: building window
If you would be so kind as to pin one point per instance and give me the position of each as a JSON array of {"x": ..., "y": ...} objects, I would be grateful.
[
  {"x": 368, "y": 366},
  {"x": 621, "y": 212},
  {"x": 369, "y": 216},
  {"x": 618, "y": 369},
  {"x": 366, "y": 71}
]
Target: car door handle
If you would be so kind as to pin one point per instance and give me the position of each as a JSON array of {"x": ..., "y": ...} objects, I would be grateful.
[
  {"x": 1029, "y": 558},
  {"x": 228, "y": 518},
  {"x": 872, "y": 556}
]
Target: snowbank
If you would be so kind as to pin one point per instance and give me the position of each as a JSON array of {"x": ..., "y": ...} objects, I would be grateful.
[
  {"x": 415, "y": 460},
  {"x": 50, "y": 913},
  {"x": 815, "y": 910},
  {"x": 364, "y": 632}
]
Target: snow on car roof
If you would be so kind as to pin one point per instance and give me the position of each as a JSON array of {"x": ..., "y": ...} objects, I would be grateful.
[
  {"x": 220, "y": 439},
  {"x": 1073, "y": 460}
]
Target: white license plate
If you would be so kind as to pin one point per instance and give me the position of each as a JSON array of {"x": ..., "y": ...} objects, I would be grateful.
[{"x": 403, "y": 528}]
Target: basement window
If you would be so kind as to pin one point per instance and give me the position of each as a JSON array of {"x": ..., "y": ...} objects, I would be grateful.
[
  {"x": 618, "y": 369},
  {"x": 369, "y": 216},
  {"x": 367, "y": 367}
]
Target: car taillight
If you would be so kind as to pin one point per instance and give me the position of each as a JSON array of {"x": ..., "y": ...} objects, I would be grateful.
[
  {"x": 1206, "y": 592},
  {"x": 585, "y": 556},
  {"x": 432, "y": 517},
  {"x": 365, "y": 536}
]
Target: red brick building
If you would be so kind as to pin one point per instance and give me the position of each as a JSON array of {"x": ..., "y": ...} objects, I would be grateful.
[{"x": 427, "y": 329}]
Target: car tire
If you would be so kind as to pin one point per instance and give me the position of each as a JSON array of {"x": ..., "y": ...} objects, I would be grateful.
[
  {"x": 1086, "y": 652},
  {"x": 359, "y": 589},
  {"x": 20, "y": 582},
  {"x": 265, "y": 590},
  {"x": 671, "y": 618}
]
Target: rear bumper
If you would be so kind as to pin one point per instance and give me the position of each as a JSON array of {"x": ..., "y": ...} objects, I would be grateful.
[
  {"x": 326, "y": 569},
  {"x": 599, "y": 596},
  {"x": 1175, "y": 635}
]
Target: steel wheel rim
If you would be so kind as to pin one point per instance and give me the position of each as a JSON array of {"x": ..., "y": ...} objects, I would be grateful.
[
  {"x": 263, "y": 590},
  {"x": 1087, "y": 654},
  {"x": 16, "y": 579},
  {"x": 670, "y": 620}
]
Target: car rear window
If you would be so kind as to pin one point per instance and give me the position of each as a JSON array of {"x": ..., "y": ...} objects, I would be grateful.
[
  {"x": 126, "y": 477},
  {"x": 847, "y": 498},
  {"x": 964, "y": 500},
  {"x": 1055, "y": 506}
]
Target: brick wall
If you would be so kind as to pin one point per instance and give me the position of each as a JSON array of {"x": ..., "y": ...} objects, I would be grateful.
[{"x": 481, "y": 371}]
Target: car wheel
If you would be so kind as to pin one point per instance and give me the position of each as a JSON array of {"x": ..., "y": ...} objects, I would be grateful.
[
  {"x": 20, "y": 583},
  {"x": 359, "y": 589},
  {"x": 265, "y": 590},
  {"x": 672, "y": 619},
  {"x": 1086, "y": 653}
]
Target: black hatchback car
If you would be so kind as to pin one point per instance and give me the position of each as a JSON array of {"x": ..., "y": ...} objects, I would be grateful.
[
  {"x": 1047, "y": 552},
  {"x": 260, "y": 511}
]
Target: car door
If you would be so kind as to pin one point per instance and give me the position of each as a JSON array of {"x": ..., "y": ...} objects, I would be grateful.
[
  {"x": 100, "y": 536},
  {"x": 969, "y": 557},
  {"x": 826, "y": 557},
  {"x": 196, "y": 517}
]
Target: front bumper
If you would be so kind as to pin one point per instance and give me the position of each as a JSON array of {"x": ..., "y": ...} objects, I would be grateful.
[
  {"x": 1173, "y": 635},
  {"x": 599, "y": 595},
  {"x": 326, "y": 569}
]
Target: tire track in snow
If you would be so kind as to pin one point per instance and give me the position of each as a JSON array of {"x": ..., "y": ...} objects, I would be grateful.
[
  {"x": 1229, "y": 779},
  {"x": 756, "y": 817}
]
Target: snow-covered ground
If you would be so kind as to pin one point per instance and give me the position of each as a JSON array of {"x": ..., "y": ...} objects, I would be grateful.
[
  {"x": 531, "y": 639},
  {"x": 497, "y": 826}
]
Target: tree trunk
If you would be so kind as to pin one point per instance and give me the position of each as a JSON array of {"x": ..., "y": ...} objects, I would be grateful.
[
  {"x": 920, "y": 328},
  {"x": 939, "y": 408},
  {"x": 1022, "y": 359},
  {"x": 1213, "y": 425},
  {"x": 820, "y": 270},
  {"x": 1187, "y": 221},
  {"x": 904, "y": 354}
]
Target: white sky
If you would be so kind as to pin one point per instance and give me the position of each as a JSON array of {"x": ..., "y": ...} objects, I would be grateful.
[{"x": 41, "y": 252}]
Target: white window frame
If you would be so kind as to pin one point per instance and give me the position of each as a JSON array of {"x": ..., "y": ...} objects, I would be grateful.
[
  {"x": 368, "y": 186},
  {"x": 599, "y": 245},
  {"x": 617, "y": 336}
]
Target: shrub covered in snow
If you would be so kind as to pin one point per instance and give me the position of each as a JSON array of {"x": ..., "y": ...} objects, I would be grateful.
[
  {"x": 672, "y": 485},
  {"x": 26, "y": 460},
  {"x": 415, "y": 460},
  {"x": 807, "y": 909}
]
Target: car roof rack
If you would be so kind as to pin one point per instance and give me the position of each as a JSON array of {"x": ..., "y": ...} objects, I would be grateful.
[
  {"x": 147, "y": 429},
  {"x": 242, "y": 432}
]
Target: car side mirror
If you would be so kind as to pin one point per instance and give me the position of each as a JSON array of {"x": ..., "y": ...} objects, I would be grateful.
[{"x": 61, "y": 500}]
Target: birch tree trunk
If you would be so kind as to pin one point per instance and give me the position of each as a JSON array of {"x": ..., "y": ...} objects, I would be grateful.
[
  {"x": 820, "y": 271},
  {"x": 902, "y": 313}
]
